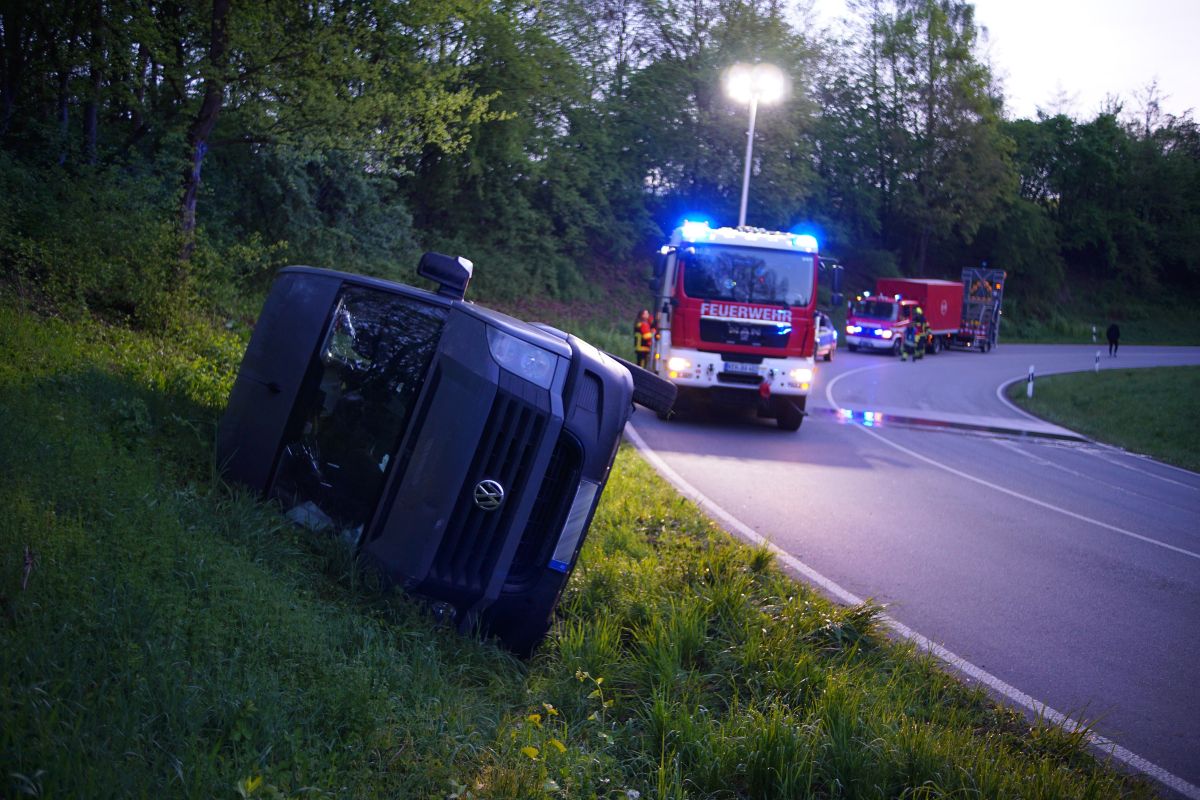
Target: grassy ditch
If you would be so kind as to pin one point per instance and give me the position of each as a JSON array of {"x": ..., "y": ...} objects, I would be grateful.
[
  {"x": 161, "y": 633},
  {"x": 1150, "y": 411}
]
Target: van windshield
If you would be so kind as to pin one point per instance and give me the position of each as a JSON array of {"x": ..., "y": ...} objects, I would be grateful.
[
  {"x": 362, "y": 388},
  {"x": 747, "y": 274},
  {"x": 875, "y": 309}
]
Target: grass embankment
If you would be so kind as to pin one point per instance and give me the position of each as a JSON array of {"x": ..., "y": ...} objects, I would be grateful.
[
  {"x": 1165, "y": 319},
  {"x": 1150, "y": 411},
  {"x": 164, "y": 634}
]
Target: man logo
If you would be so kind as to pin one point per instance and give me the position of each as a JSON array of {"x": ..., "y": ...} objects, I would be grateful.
[{"x": 488, "y": 495}]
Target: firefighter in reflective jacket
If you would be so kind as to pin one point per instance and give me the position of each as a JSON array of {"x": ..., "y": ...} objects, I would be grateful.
[
  {"x": 643, "y": 338},
  {"x": 922, "y": 332},
  {"x": 909, "y": 342}
]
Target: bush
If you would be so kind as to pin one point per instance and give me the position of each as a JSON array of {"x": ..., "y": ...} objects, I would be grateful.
[{"x": 93, "y": 238}]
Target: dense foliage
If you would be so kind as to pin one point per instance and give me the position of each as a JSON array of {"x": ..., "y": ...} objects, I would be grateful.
[{"x": 157, "y": 154}]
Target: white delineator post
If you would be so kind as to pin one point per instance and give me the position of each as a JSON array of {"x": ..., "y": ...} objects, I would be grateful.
[
  {"x": 1029, "y": 383},
  {"x": 1096, "y": 368}
]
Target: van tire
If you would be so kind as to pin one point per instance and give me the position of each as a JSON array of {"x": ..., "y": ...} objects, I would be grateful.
[{"x": 649, "y": 390}]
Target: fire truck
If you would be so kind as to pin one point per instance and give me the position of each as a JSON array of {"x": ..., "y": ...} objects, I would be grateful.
[
  {"x": 878, "y": 321},
  {"x": 735, "y": 311}
]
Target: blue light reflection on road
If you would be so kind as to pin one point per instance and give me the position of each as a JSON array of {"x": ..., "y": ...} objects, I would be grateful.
[{"x": 878, "y": 419}]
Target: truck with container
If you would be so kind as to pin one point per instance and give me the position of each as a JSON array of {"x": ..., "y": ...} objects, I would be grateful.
[
  {"x": 735, "y": 318},
  {"x": 878, "y": 321}
]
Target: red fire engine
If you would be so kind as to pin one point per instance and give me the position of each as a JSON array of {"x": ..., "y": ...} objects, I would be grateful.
[{"x": 735, "y": 318}]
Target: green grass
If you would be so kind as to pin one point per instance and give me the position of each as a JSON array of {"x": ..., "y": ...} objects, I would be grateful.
[
  {"x": 1149, "y": 411},
  {"x": 164, "y": 634}
]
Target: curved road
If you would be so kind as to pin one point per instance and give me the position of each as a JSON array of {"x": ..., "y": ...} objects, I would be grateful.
[{"x": 1065, "y": 573}]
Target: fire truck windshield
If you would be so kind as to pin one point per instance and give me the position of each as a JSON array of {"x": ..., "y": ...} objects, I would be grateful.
[
  {"x": 875, "y": 309},
  {"x": 747, "y": 274}
]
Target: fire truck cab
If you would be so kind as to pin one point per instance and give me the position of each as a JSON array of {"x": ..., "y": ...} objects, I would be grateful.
[{"x": 735, "y": 315}]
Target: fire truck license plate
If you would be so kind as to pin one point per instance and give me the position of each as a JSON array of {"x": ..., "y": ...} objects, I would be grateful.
[{"x": 734, "y": 366}]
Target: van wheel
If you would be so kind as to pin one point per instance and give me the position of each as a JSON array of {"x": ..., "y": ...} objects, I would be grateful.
[
  {"x": 829, "y": 355},
  {"x": 649, "y": 390}
]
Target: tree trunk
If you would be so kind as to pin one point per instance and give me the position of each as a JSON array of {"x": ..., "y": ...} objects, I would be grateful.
[{"x": 202, "y": 125}]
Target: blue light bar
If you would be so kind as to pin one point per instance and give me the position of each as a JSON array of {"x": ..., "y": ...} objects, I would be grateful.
[
  {"x": 805, "y": 242},
  {"x": 693, "y": 231}
]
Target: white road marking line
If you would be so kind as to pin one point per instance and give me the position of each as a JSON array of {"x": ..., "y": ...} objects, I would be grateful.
[
  {"x": 832, "y": 404},
  {"x": 847, "y": 374},
  {"x": 1086, "y": 449},
  {"x": 1025, "y": 497},
  {"x": 1011, "y": 693},
  {"x": 1102, "y": 451}
]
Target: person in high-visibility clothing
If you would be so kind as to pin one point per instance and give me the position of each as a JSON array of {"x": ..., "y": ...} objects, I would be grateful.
[
  {"x": 908, "y": 342},
  {"x": 922, "y": 332},
  {"x": 643, "y": 338}
]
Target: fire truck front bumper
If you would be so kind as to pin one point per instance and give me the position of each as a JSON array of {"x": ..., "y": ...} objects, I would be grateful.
[
  {"x": 696, "y": 369},
  {"x": 874, "y": 339}
]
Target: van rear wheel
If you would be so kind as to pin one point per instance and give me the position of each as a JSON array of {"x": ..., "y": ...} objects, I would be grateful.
[{"x": 649, "y": 390}]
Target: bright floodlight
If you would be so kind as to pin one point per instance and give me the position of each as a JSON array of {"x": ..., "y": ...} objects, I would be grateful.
[
  {"x": 762, "y": 82},
  {"x": 753, "y": 84}
]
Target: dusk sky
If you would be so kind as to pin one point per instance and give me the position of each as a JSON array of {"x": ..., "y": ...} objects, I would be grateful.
[{"x": 1084, "y": 51}]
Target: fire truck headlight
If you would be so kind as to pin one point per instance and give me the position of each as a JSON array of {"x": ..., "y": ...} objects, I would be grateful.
[
  {"x": 883, "y": 332},
  {"x": 801, "y": 375},
  {"x": 677, "y": 364},
  {"x": 526, "y": 360},
  {"x": 854, "y": 329}
]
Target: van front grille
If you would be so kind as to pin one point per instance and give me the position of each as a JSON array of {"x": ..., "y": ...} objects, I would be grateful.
[{"x": 473, "y": 538}]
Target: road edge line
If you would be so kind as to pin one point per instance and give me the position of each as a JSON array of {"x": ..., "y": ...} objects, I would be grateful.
[
  {"x": 960, "y": 665},
  {"x": 1000, "y": 396}
]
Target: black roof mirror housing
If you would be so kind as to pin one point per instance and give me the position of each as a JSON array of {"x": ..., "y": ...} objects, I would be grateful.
[{"x": 450, "y": 273}]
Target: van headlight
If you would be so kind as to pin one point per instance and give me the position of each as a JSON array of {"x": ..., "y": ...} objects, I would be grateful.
[
  {"x": 522, "y": 358},
  {"x": 677, "y": 364}
]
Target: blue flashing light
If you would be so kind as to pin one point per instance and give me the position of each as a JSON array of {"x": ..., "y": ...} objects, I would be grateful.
[
  {"x": 805, "y": 242},
  {"x": 694, "y": 230}
]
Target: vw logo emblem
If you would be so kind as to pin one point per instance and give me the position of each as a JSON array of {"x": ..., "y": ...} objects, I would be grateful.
[{"x": 488, "y": 495}]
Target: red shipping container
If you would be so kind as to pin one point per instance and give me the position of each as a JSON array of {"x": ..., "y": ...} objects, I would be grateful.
[{"x": 940, "y": 300}]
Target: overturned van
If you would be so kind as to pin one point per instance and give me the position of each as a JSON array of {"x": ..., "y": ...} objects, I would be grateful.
[{"x": 460, "y": 451}]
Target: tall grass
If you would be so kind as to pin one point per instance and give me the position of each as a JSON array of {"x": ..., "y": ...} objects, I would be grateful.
[{"x": 162, "y": 633}]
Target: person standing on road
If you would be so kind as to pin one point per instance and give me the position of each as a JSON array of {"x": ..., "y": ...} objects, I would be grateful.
[
  {"x": 1114, "y": 339},
  {"x": 908, "y": 340}
]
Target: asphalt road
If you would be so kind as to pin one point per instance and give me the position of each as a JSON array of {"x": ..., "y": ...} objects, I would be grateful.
[{"x": 1068, "y": 570}]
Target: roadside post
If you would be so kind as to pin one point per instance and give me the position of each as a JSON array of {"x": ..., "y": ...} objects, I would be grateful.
[
  {"x": 1096, "y": 368},
  {"x": 1029, "y": 383},
  {"x": 1093, "y": 334}
]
